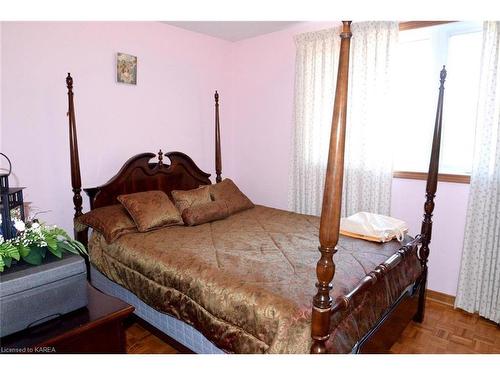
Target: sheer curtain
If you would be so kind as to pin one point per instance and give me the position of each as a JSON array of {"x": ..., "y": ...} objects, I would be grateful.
[
  {"x": 479, "y": 281},
  {"x": 368, "y": 158}
]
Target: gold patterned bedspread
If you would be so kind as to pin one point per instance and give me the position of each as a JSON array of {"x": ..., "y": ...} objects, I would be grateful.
[{"x": 247, "y": 282}]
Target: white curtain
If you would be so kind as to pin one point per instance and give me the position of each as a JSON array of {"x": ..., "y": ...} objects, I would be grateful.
[
  {"x": 368, "y": 157},
  {"x": 479, "y": 282}
]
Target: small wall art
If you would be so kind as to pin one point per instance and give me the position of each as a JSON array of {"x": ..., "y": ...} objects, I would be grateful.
[{"x": 126, "y": 68}]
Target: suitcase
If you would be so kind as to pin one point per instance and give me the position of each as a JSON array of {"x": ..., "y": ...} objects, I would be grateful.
[{"x": 31, "y": 295}]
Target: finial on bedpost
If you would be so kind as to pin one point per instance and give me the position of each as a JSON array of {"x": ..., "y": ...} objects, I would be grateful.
[
  {"x": 430, "y": 194},
  {"x": 442, "y": 75},
  {"x": 160, "y": 158},
  {"x": 346, "y": 30},
  {"x": 69, "y": 82},
  {"x": 218, "y": 159},
  {"x": 332, "y": 197}
]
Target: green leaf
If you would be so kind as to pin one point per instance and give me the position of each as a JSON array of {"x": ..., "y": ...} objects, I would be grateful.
[
  {"x": 68, "y": 247},
  {"x": 81, "y": 248},
  {"x": 10, "y": 251},
  {"x": 23, "y": 251},
  {"x": 74, "y": 247},
  {"x": 2, "y": 264},
  {"x": 56, "y": 251},
  {"x": 61, "y": 232},
  {"x": 35, "y": 256},
  {"x": 7, "y": 262},
  {"x": 51, "y": 243},
  {"x": 43, "y": 251}
]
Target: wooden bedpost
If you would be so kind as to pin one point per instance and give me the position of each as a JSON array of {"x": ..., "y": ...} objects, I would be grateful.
[
  {"x": 76, "y": 181},
  {"x": 332, "y": 198},
  {"x": 218, "y": 159},
  {"x": 430, "y": 193}
]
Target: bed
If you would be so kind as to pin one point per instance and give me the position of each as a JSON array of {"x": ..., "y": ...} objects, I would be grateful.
[{"x": 244, "y": 284}]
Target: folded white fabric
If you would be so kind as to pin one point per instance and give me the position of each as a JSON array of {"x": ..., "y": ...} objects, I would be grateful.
[{"x": 373, "y": 227}]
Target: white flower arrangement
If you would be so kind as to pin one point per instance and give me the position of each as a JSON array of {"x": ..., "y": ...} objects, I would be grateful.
[
  {"x": 19, "y": 225},
  {"x": 33, "y": 241}
]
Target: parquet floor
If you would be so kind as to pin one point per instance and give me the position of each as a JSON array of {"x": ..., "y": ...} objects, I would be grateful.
[
  {"x": 444, "y": 330},
  {"x": 142, "y": 341}
]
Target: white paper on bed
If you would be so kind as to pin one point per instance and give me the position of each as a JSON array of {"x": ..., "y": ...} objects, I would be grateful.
[{"x": 373, "y": 227}]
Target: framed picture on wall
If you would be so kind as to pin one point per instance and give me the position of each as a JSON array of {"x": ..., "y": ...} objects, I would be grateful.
[{"x": 126, "y": 68}]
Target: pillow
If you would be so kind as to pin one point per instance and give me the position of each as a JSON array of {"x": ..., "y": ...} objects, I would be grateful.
[
  {"x": 111, "y": 221},
  {"x": 204, "y": 213},
  {"x": 229, "y": 192},
  {"x": 150, "y": 210},
  {"x": 191, "y": 198}
]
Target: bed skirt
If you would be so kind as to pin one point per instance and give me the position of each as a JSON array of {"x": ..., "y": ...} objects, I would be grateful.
[{"x": 175, "y": 328}]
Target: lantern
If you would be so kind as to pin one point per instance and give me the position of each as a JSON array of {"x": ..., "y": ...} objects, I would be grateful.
[{"x": 11, "y": 203}]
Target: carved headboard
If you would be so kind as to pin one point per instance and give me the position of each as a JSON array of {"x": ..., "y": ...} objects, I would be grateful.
[{"x": 140, "y": 174}]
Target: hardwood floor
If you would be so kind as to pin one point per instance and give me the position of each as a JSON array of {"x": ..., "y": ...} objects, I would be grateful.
[
  {"x": 142, "y": 341},
  {"x": 444, "y": 330}
]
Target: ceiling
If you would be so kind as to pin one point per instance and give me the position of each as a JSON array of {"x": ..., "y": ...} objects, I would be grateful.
[{"x": 233, "y": 31}]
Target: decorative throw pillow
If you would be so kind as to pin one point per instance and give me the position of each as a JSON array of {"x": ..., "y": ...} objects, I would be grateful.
[
  {"x": 111, "y": 221},
  {"x": 229, "y": 192},
  {"x": 151, "y": 210},
  {"x": 191, "y": 198},
  {"x": 205, "y": 213}
]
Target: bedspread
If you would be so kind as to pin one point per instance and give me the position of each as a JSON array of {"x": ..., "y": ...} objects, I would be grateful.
[{"x": 247, "y": 282}]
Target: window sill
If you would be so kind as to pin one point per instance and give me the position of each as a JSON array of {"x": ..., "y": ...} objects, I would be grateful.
[
  {"x": 443, "y": 177},
  {"x": 409, "y": 25}
]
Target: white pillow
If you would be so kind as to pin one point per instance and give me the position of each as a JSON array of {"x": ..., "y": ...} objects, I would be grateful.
[{"x": 373, "y": 227}]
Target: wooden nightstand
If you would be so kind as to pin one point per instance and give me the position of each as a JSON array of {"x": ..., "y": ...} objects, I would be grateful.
[{"x": 97, "y": 328}]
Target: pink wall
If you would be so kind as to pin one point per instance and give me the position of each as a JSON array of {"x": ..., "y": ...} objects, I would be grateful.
[
  {"x": 407, "y": 202},
  {"x": 263, "y": 85},
  {"x": 171, "y": 107}
]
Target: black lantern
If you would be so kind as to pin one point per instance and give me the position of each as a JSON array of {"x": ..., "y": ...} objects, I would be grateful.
[{"x": 11, "y": 203}]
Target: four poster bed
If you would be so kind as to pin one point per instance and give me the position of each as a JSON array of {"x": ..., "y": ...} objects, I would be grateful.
[{"x": 244, "y": 284}]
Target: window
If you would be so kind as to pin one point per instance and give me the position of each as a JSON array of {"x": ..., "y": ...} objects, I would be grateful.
[{"x": 421, "y": 55}]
